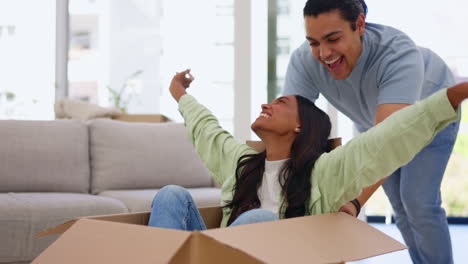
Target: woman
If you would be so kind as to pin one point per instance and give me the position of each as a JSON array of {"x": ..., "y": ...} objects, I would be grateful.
[{"x": 295, "y": 176}]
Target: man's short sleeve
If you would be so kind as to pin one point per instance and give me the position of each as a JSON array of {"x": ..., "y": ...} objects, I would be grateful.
[
  {"x": 298, "y": 79},
  {"x": 401, "y": 74}
]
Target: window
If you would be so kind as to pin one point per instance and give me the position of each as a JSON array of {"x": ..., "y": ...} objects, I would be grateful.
[
  {"x": 128, "y": 47},
  {"x": 434, "y": 28},
  {"x": 283, "y": 47},
  {"x": 283, "y": 8},
  {"x": 203, "y": 42},
  {"x": 27, "y": 49},
  {"x": 115, "y": 49}
]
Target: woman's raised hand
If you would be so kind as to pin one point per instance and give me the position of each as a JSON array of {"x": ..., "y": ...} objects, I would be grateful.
[{"x": 179, "y": 83}]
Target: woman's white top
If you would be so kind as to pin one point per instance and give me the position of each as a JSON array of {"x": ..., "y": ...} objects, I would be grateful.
[{"x": 270, "y": 190}]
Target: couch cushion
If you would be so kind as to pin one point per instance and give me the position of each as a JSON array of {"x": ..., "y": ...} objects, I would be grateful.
[
  {"x": 140, "y": 200},
  {"x": 143, "y": 156},
  {"x": 44, "y": 156},
  {"x": 24, "y": 214}
]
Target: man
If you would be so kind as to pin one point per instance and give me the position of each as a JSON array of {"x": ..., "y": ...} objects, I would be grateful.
[{"x": 369, "y": 71}]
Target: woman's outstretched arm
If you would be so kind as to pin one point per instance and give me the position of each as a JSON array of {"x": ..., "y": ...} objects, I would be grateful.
[
  {"x": 375, "y": 154},
  {"x": 217, "y": 148}
]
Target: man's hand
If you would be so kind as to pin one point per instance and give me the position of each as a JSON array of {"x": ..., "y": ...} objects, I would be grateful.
[
  {"x": 349, "y": 208},
  {"x": 179, "y": 83}
]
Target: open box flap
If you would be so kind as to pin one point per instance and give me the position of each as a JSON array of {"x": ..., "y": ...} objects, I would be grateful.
[
  {"x": 95, "y": 241},
  {"x": 211, "y": 215},
  {"x": 132, "y": 218},
  {"x": 327, "y": 238}
]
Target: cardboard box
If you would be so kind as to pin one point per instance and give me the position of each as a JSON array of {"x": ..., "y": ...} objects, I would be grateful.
[
  {"x": 142, "y": 118},
  {"x": 125, "y": 238}
]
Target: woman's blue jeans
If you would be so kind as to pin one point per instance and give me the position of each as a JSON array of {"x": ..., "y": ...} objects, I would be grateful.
[
  {"x": 173, "y": 207},
  {"x": 414, "y": 192}
]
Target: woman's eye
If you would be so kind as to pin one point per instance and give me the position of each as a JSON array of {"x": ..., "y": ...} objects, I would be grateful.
[
  {"x": 313, "y": 44},
  {"x": 333, "y": 40}
]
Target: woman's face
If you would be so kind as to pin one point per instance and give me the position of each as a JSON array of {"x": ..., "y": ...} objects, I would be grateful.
[{"x": 281, "y": 117}]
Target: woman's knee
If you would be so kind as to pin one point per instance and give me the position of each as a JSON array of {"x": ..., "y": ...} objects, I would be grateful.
[
  {"x": 255, "y": 216},
  {"x": 171, "y": 193}
]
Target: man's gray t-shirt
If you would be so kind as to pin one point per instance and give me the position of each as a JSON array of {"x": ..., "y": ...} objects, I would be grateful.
[{"x": 390, "y": 70}]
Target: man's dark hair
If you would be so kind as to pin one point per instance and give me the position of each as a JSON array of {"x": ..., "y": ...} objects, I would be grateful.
[
  {"x": 349, "y": 9},
  {"x": 309, "y": 144}
]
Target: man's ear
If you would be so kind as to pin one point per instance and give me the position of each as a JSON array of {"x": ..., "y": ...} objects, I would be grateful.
[
  {"x": 297, "y": 129},
  {"x": 361, "y": 24}
]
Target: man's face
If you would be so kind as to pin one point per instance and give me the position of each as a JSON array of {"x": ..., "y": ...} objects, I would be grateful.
[{"x": 334, "y": 43}]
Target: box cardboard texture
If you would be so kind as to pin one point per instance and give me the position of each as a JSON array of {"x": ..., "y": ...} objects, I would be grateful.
[{"x": 125, "y": 238}]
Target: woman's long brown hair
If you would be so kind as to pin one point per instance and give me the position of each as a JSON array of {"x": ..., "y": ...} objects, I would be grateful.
[{"x": 295, "y": 175}]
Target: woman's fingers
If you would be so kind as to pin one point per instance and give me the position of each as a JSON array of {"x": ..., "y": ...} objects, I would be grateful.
[
  {"x": 184, "y": 78},
  {"x": 189, "y": 76},
  {"x": 185, "y": 75}
]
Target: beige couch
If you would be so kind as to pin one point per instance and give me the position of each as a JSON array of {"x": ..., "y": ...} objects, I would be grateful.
[{"x": 54, "y": 171}]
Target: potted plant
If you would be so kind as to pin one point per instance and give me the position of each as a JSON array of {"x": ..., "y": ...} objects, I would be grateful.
[{"x": 121, "y": 98}]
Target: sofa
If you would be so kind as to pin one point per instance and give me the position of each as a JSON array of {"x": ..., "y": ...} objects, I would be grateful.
[{"x": 55, "y": 171}]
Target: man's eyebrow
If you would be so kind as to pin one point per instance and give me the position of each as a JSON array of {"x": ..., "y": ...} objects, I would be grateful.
[
  {"x": 282, "y": 97},
  {"x": 324, "y": 37},
  {"x": 331, "y": 34}
]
